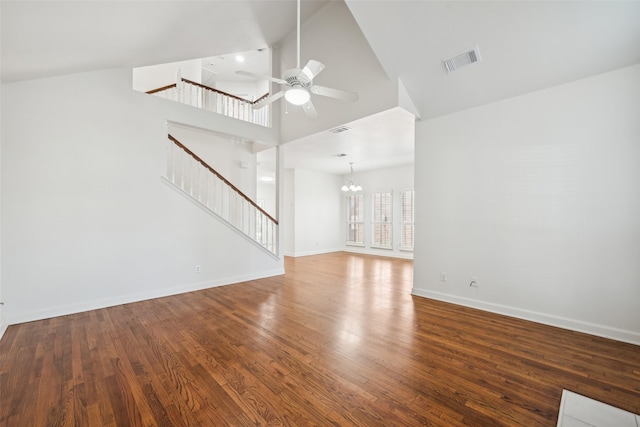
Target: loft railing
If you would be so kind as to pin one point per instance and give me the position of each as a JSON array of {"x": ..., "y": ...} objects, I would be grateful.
[
  {"x": 205, "y": 186},
  {"x": 201, "y": 96}
]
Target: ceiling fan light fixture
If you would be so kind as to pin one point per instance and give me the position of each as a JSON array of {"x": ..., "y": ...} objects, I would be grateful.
[{"x": 297, "y": 95}]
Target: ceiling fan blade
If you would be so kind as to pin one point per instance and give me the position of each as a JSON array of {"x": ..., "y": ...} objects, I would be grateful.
[
  {"x": 312, "y": 69},
  {"x": 268, "y": 100},
  {"x": 310, "y": 110},
  {"x": 260, "y": 76},
  {"x": 334, "y": 93}
]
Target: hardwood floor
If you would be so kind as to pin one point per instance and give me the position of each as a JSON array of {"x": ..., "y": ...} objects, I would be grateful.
[{"x": 339, "y": 340}]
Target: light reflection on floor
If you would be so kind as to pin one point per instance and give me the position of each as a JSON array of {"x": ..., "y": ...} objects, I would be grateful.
[{"x": 375, "y": 290}]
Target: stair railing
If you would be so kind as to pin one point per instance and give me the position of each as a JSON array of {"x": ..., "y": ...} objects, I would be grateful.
[
  {"x": 217, "y": 101},
  {"x": 205, "y": 186}
]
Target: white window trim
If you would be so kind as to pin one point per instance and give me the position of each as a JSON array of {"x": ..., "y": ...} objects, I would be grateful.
[
  {"x": 402, "y": 222},
  {"x": 362, "y": 223},
  {"x": 389, "y": 222}
]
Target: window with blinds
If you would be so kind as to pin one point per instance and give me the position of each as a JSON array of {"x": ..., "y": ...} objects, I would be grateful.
[
  {"x": 406, "y": 232},
  {"x": 355, "y": 220},
  {"x": 382, "y": 220}
]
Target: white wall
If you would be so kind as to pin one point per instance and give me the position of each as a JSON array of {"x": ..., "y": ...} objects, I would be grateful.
[
  {"x": 394, "y": 179},
  {"x": 266, "y": 194},
  {"x": 267, "y": 167},
  {"x": 87, "y": 221},
  {"x": 539, "y": 198},
  {"x": 3, "y": 323},
  {"x": 316, "y": 210},
  {"x": 289, "y": 221}
]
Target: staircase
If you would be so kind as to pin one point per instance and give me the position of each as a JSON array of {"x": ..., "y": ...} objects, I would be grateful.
[
  {"x": 206, "y": 98},
  {"x": 196, "y": 180}
]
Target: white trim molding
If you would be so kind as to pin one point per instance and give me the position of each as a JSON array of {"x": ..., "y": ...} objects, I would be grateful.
[
  {"x": 630, "y": 337},
  {"x": 64, "y": 310}
]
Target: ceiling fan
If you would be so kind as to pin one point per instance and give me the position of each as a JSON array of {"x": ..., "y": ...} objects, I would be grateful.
[{"x": 299, "y": 84}]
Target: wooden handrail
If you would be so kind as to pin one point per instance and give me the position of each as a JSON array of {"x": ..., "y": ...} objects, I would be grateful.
[
  {"x": 223, "y": 179},
  {"x": 263, "y": 97},
  {"x": 160, "y": 89},
  {"x": 215, "y": 90}
]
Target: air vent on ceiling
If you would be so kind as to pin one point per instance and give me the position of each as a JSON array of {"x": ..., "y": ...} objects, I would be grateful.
[
  {"x": 465, "y": 58},
  {"x": 340, "y": 129}
]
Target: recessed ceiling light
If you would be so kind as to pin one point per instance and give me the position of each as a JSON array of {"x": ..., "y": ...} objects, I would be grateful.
[{"x": 239, "y": 58}]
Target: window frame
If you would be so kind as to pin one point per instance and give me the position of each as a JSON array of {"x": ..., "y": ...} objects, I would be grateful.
[
  {"x": 387, "y": 223},
  {"x": 407, "y": 223},
  {"x": 358, "y": 221}
]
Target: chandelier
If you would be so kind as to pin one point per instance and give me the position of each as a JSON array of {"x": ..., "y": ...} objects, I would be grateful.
[{"x": 350, "y": 185}]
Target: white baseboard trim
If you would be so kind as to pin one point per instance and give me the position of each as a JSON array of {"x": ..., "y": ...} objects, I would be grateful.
[
  {"x": 630, "y": 337},
  {"x": 127, "y": 299},
  {"x": 354, "y": 250},
  {"x": 380, "y": 252},
  {"x": 316, "y": 252},
  {"x": 3, "y": 329}
]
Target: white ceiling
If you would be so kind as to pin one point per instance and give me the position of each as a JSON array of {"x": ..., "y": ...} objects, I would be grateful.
[
  {"x": 379, "y": 141},
  {"x": 525, "y": 46},
  {"x": 48, "y": 38},
  {"x": 222, "y": 68}
]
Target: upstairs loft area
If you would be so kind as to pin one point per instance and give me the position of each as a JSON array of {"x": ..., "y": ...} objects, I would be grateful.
[{"x": 212, "y": 84}]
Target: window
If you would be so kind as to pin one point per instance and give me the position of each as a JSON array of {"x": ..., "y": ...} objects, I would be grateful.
[
  {"x": 355, "y": 219},
  {"x": 382, "y": 220},
  {"x": 406, "y": 233}
]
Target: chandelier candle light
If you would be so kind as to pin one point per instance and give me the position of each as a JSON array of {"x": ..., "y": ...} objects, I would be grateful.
[{"x": 350, "y": 185}]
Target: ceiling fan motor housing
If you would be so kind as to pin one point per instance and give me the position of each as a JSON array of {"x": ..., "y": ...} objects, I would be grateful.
[{"x": 296, "y": 77}]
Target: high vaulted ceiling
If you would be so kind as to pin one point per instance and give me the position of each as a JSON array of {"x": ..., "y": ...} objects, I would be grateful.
[
  {"x": 525, "y": 45},
  {"x": 48, "y": 38}
]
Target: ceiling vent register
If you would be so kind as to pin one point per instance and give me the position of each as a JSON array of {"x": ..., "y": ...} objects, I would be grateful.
[
  {"x": 466, "y": 58},
  {"x": 340, "y": 129}
]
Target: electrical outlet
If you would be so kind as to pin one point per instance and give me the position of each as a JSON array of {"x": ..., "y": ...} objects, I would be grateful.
[
  {"x": 443, "y": 277},
  {"x": 197, "y": 268}
]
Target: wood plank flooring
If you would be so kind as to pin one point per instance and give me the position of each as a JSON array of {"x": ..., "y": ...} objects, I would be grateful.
[{"x": 338, "y": 340}]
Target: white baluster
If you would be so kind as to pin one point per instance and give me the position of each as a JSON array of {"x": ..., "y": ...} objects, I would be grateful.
[
  {"x": 197, "y": 167},
  {"x": 214, "y": 189},
  {"x": 170, "y": 160},
  {"x": 182, "y": 168},
  {"x": 209, "y": 99},
  {"x": 207, "y": 174},
  {"x": 225, "y": 202},
  {"x": 190, "y": 171}
]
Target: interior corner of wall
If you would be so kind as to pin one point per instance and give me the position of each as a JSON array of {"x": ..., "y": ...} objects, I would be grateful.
[{"x": 405, "y": 101}]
